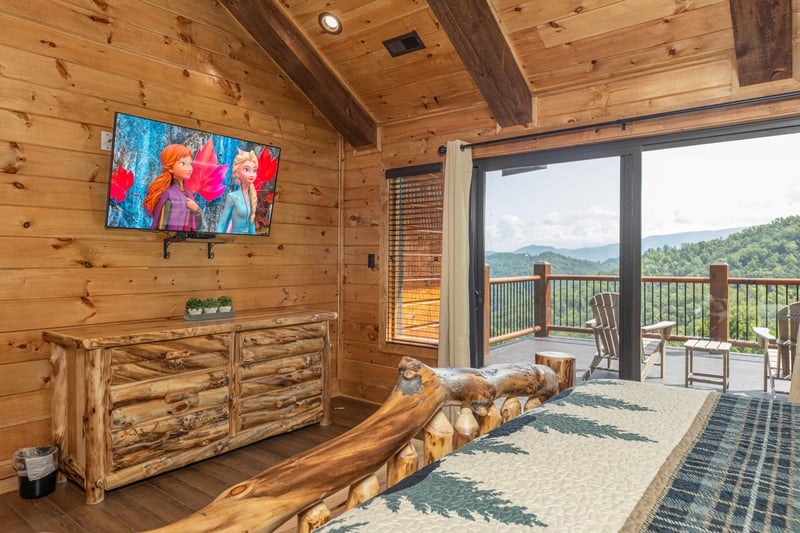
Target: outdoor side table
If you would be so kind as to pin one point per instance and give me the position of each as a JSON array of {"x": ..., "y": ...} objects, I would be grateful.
[{"x": 711, "y": 347}]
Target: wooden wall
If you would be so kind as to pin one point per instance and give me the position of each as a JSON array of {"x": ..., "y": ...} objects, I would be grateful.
[
  {"x": 65, "y": 67},
  {"x": 368, "y": 365}
]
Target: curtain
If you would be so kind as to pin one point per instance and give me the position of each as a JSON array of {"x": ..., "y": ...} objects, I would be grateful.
[{"x": 454, "y": 303}]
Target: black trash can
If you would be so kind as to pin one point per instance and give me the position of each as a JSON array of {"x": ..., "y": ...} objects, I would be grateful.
[{"x": 37, "y": 469}]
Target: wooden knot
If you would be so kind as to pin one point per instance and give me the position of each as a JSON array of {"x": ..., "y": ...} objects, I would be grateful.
[{"x": 238, "y": 489}]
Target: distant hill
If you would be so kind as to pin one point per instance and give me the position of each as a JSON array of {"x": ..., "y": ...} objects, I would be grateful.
[
  {"x": 765, "y": 251},
  {"x": 506, "y": 264},
  {"x": 611, "y": 251}
]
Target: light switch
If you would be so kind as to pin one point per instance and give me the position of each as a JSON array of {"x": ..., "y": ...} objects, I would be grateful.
[{"x": 105, "y": 140}]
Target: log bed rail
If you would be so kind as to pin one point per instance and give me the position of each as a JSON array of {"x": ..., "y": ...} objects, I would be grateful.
[{"x": 298, "y": 485}]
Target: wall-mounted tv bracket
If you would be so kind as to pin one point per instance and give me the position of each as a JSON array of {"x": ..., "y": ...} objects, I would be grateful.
[{"x": 188, "y": 237}]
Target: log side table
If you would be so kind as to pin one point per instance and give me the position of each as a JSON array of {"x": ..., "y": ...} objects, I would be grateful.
[
  {"x": 711, "y": 347},
  {"x": 563, "y": 364}
]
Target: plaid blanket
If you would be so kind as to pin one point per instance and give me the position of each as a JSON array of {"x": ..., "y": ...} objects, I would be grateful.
[{"x": 610, "y": 455}]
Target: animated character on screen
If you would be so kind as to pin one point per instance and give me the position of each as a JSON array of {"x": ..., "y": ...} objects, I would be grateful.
[
  {"x": 239, "y": 210},
  {"x": 167, "y": 200}
]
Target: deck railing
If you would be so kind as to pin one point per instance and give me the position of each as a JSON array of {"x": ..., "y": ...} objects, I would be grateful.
[{"x": 718, "y": 306}]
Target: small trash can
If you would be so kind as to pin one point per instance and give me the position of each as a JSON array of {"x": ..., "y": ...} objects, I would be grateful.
[{"x": 37, "y": 469}]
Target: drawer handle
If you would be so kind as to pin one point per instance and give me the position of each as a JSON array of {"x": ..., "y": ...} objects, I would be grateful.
[{"x": 177, "y": 353}]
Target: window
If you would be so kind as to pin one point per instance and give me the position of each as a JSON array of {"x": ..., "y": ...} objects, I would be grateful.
[{"x": 415, "y": 257}]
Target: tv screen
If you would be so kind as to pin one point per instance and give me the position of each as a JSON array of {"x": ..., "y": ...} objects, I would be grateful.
[{"x": 165, "y": 177}]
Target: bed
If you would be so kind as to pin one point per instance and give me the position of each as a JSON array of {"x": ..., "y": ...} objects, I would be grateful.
[{"x": 606, "y": 455}]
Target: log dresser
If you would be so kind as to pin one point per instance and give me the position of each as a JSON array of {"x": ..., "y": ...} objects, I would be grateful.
[{"x": 132, "y": 400}]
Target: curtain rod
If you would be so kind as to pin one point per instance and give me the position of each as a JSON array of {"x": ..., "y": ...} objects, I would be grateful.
[{"x": 623, "y": 122}]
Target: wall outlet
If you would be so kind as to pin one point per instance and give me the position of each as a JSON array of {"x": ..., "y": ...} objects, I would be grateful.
[{"x": 105, "y": 140}]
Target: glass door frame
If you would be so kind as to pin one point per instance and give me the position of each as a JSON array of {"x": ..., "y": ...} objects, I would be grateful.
[{"x": 630, "y": 205}]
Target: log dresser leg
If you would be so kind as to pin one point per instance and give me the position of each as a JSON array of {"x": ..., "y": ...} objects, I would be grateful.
[
  {"x": 58, "y": 382},
  {"x": 93, "y": 427},
  {"x": 563, "y": 364}
]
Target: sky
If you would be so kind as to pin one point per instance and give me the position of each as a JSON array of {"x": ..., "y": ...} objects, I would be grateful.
[{"x": 713, "y": 186}]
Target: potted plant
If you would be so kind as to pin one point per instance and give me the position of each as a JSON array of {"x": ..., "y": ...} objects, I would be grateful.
[
  {"x": 194, "y": 306},
  {"x": 210, "y": 305},
  {"x": 225, "y": 304}
]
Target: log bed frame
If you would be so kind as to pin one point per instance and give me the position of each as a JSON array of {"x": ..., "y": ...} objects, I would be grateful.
[{"x": 298, "y": 485}]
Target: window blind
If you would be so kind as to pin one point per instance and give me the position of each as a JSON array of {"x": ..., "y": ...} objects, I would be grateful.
[{"x": 415, "y": 258}]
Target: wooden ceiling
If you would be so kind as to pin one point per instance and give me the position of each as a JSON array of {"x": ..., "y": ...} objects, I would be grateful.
[{"x": 503, "y": 55}]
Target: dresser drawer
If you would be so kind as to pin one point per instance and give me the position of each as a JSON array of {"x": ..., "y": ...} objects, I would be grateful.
[
  {"x": 279, "y": 342},
  {"x": 170, "y": 435},
  {"x": 140, "y": 362}
]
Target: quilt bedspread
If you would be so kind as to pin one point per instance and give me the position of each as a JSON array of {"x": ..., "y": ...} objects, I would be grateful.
[{"x": 609, "y": 455}]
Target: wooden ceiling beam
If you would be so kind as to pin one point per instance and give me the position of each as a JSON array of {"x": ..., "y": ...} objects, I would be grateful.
[
  {"x": 762, "y": 34},
  {"x": 479, "y": 40},
  {"x": 283, "y": 41}
]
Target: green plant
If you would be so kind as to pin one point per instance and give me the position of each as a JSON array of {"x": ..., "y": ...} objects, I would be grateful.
[
  {"x": 210, "y": 302},
  {"x": 225, "y": 301},
  {"x": 194, "y": 303}
]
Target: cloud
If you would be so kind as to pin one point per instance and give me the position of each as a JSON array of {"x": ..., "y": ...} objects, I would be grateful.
[{"x": 594, "y": 226}]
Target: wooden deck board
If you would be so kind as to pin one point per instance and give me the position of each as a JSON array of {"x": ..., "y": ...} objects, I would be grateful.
[{"x": 746, "y": 369}]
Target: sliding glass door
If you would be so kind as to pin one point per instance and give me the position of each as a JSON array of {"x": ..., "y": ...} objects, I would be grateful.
[{"x": 562, "y": 205}]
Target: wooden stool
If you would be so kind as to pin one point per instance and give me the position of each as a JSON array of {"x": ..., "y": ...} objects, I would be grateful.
[{"x": 563, "y": 364}]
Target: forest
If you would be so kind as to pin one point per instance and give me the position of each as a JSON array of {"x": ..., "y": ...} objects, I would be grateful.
[{"x": 764, "y": 251}]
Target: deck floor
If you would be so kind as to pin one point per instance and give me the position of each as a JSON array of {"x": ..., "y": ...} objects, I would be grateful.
[{"x": 746, "y": 370}]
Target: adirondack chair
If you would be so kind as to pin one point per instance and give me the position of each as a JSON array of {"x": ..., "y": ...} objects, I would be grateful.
[
  {"x": 779, "y": 361},
  {"x": 605, "y": 308}
]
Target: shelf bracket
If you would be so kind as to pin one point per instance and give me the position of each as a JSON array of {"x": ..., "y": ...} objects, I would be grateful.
[
  {"x": 170, "y": 240},
  {"x": 181, "y": 238}
]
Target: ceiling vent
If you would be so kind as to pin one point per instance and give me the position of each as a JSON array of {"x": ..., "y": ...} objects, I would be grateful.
[{"x": 410, "y": 42}]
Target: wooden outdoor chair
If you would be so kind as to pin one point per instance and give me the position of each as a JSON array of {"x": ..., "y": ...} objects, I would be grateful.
[
  {"x": 780, "y": 350},
  {"x": 605, "y": 326}
]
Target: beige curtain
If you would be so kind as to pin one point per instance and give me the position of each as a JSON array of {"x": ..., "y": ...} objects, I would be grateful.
[{"x": 454, "y": 303}]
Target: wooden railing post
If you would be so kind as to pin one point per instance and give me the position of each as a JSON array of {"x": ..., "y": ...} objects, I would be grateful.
[
  {"x": 718, "y": 302},
  {"x": 487, "y": 293},
  {"x": 541, "y": 298}
]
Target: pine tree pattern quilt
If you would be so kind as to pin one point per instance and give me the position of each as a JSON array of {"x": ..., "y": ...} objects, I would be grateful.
[{"x": 609, "y": 455}]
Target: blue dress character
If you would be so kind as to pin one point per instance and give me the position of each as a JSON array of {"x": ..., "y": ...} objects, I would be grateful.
[{"x": 239, "y": 210}]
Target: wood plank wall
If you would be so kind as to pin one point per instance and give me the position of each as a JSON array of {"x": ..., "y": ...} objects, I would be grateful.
[
  {"x": 368, "y": 365},
  {"x": 65, "y": 67}
]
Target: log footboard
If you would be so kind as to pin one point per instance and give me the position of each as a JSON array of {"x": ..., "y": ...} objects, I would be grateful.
[{"x": 298, "y": 485}]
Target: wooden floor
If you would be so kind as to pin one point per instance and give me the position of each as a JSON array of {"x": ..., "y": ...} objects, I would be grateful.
[{"x": 165, "y": 498}]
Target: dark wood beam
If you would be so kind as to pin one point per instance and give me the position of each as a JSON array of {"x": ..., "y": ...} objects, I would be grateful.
[
  {"x": 762, "y": 33},
  {"x": 478, "y": 39},
  {"x": 277, "y": 34}
]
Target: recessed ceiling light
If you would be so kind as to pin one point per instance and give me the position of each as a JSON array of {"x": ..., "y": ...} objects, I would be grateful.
[{"x": 330, "y": 23}]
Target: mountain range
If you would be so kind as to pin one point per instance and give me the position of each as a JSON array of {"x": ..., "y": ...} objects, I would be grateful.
[{"x": 611, "y": 251}]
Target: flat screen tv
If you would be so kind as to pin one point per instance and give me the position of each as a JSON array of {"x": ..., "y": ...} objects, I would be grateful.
[{"x": 165, "y": 177}]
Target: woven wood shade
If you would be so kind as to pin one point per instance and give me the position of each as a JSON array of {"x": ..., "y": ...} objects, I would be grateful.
[{"x": 415, "y": 258}]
